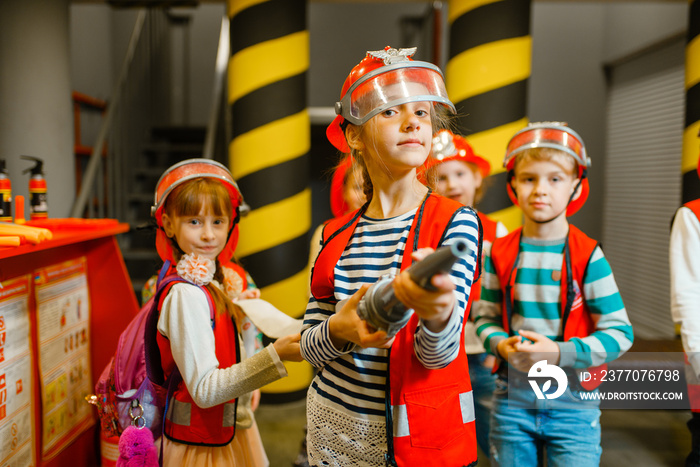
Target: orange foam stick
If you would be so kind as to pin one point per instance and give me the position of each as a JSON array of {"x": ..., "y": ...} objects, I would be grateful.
[
  {"x": 33, "y": 235},
  {"x": 19, "y": 210},
  {"x": 9, "y": 240}
]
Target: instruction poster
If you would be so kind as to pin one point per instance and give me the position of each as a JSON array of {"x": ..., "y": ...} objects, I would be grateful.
[
  {"x": 63, "y": 333},
  {"x": 16, "y": 448}
]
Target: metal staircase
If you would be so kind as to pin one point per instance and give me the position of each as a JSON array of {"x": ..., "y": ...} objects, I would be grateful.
[
  {"x": 143, "y": 143},
  {"x": 165, "y": 146}
]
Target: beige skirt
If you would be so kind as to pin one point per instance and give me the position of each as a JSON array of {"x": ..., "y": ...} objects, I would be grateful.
[{"x": 246, "y": 450}]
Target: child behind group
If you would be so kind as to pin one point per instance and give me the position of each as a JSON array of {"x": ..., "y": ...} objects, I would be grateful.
[
  {"x": 527, "y": 313},
  {"x": 210, "y": 420},
  {"x": 684, "y": 258},
  {"x": 347, "y": 194},
  {"x": 410, "y": 406},
  {"x": 459, "y": 174}
]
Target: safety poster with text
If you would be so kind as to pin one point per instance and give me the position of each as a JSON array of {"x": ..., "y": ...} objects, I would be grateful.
[
  {"x": 16, "y": 420},
  {"x": 63, "y": 333}
]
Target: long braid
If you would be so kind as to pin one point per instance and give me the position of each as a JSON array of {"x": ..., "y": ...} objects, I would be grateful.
[{"x": 221, "y": 300}]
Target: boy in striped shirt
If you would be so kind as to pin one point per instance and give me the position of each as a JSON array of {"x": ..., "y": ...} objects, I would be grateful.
[{"x": 548, "y": 293}]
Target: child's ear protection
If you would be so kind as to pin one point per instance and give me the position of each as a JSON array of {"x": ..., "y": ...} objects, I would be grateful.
[
  {"x": 509, "y": 187},
  {"x": 576, "y": 202}
]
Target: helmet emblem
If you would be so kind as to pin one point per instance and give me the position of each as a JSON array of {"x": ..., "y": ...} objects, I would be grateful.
[{"x": 391, "y": 55}]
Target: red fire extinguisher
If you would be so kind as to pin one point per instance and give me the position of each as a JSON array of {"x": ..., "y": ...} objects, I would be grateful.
[
  {"x": 38, "y": 206},
  {"x": 5, "y": 194}
]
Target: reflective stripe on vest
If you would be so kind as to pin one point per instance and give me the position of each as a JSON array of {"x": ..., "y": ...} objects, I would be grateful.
[
  {"x": 180, "y": 413},
  {"x": 189, "y": 424},
  {"x": 401, "y": 425}
]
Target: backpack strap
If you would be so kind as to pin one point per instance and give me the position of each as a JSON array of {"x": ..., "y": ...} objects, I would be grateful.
[
  {"x": 163, "y": 271},
  {"x": 154, "y": 367}
]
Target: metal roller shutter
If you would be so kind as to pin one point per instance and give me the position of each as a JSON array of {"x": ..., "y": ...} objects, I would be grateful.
[{"x": 643, "y": 181}]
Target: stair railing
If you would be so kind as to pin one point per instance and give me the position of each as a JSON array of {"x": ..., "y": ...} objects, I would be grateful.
[
  {"x": 94, "y": 162},
  {"x": 139, "y": 99},
  {"x": 86, "y": 105}
]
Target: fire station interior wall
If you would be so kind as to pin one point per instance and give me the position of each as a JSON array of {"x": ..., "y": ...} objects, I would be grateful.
[
  {"x": 35, "y": 107},
  {"x": 572, "y": 41}
]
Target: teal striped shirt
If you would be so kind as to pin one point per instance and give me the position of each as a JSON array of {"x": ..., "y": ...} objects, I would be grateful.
[{"x": 537, "y": 304}]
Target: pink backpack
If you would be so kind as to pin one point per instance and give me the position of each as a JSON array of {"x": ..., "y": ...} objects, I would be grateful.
[{"x": 132, "y": 389}]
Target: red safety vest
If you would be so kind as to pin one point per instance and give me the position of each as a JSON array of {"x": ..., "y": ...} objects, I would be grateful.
[
  {"x": 576, "y": 317},
  {"x": 694, "y": 206},
  {"x": 185, "y": 422},
  {"x": 488, "y": 227},
  {"x": 431, "y": 414}
]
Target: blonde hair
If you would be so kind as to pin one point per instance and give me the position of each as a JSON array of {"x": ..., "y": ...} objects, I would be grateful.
[
  {"x": 439, "y": 120},
  {"x": 189, "y": 199},
  {"x": 562, "y": 159}
]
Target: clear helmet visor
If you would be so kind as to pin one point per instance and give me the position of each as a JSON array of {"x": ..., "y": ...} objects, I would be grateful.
[
  {"x": 547, "y": 135},
  {"x": 390, "y": 86}
]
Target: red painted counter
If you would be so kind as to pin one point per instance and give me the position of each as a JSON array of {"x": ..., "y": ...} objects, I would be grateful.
[{"x": 113, "y": 304}]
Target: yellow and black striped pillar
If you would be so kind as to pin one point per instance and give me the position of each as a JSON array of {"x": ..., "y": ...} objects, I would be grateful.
[
  {"x": 691, "y": 133},
  {"x": 268, "y": 154},
  {"x": 487, "y": 71}
]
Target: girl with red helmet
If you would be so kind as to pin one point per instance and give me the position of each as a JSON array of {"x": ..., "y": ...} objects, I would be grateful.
[
  {"x": 406, "y": 400},
  {"x": 459, "y": 174},
  {"x": 209, "y": 420}
]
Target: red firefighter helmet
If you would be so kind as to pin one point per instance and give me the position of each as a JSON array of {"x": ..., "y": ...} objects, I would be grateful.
[
  {"x": 188, "y": 170},
  {"x": 553, "y": 135},
  {"x": 448, "y": 146},
  {"x": 384, "y": 79},
  {"x": 338, "y": 204}
]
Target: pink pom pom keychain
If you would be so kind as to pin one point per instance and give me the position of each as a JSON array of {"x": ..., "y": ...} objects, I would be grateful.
[
  {"x": 136, "y": 443},
  {"x": 136, "y": 448}
]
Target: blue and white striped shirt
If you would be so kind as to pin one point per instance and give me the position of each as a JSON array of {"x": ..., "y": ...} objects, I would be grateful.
[{"x": 352, "y": 380}]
